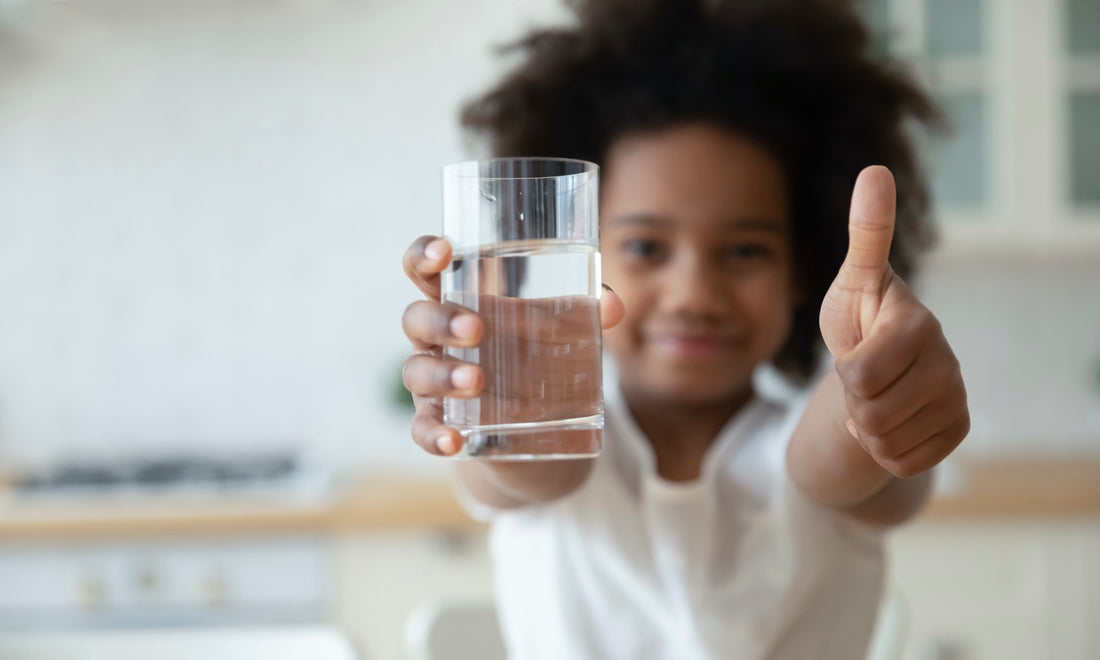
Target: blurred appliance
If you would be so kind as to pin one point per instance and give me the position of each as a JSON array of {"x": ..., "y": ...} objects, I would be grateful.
[{"x": 281, "y": 474}]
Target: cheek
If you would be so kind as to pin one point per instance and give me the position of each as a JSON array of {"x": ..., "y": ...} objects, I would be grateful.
[{"x": 770, "y": 303}]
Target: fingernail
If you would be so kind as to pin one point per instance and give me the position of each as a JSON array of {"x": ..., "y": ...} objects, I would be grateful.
[
  {"x": 852, "y": 429},
  {"x": 463, "y": 378},
  {"x": 445, "y": 444},
  {"x": 464, "y": 325},
  {"x": 435, "y": 250}
]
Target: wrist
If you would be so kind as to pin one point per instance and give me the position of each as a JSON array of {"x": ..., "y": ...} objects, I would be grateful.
[
  {"x": 824, "y": 460},
  {"x": 535, "y": 482}
]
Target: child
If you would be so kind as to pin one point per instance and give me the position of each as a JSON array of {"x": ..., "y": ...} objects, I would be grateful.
[{"x": 738, "y": 506}]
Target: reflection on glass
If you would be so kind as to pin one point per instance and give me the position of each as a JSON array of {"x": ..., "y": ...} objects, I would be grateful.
[
  {"x": 1083, "y": 26},
  {"x": 1084, "y": 138},
  {"x": 959, "y": 162},
  {"x": 953, "y": 27}
]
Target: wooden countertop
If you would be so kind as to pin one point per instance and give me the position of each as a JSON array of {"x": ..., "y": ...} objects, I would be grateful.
[
  {"x": 374, "y": 503},
  {"x": 1016, "y": 489},
  {"x": 1019, "y": 488}
]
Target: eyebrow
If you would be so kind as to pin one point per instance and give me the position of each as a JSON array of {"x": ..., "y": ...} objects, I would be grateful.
[{"x": 646, "y": 219}]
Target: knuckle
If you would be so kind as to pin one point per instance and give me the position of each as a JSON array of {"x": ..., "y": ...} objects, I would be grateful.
[
  {"x": 892, "y": 450},
  {"x": 874, "y": 419},
  {"x": 424, "y": 321},
  {"x": 414, "y": 253},
  {"x": 860, "y": 377},
  {"x": 441, "y": 322},
  {"x": 411, "y": 375},
  {"x": 905, "y": 469},
  {"x": 964, "y": 426},
  {"x": 893, "y": 466},
  {"x": 924, "y": 320},
  {"x": 421, "y": 433},
  {"x": 878, "y": 447},
  {"x": 408, "y": 317},
  {"x": 440, "y": 378},
  {"x": 406, "y": 372},
  {"x": 424, "y": 376}
]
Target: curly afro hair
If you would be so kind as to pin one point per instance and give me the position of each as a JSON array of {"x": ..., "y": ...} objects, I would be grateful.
[{"x": 798, "y": 77}]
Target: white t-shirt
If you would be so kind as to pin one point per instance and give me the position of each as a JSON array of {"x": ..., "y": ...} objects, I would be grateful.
[{"x": 737, "y": 564}]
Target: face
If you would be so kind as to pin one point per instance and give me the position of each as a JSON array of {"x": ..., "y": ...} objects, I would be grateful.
[{"x": 695, "y": 237}]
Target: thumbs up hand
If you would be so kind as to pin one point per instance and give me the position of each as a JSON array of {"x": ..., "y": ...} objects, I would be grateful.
[{"x": 903, "y": 389}]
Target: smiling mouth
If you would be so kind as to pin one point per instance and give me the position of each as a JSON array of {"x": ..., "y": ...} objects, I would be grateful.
[{"x": 693, "y": 345}]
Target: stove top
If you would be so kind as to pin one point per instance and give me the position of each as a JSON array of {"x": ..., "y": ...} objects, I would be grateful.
[{"x": 277, "y": 473}]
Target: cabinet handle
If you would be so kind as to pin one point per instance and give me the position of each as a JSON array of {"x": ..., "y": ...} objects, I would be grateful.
[{"x": 91, "y": 593}]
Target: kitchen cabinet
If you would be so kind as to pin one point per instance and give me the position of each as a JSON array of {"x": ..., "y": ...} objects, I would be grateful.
[
  {"x": 1019, "y": 81},
  {"x": 1000, "y": 590},
  {"x": 161, "y": 582},
  {"x": 1005, "y": 563},
  {"x": 382, "y": 576}
]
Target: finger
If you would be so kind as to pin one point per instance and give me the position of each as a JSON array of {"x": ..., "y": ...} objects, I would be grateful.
[
  {"x": 429, "y": 376},
  {"x": 425, "y": 259},
  {"x": 926, "y": 423},
  {"x": 870, "y": 230},
  {"x": 928, "y": 454},
  {"x": 561, "y": 320},
  {"x": 611, "y": 308},
  {"x": 931, "y": 378},
  {"x": 428, "y": 323},
  {"x": 888, "y": 351},
  {"x": 433, "y": 436}
]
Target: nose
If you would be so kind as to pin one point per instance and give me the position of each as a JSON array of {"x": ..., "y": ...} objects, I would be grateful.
[{"x": 693, "y": 286}]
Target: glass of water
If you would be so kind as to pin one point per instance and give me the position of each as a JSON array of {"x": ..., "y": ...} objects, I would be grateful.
[{"x": 525, "y": 239}]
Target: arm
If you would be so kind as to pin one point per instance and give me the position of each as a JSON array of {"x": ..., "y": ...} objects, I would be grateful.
[
  {"x": 431, "y": 325},
  {"x": 895, "y": 406},
  {"x": 509, "y": 485},
  {"x": 829, "y": 466}
]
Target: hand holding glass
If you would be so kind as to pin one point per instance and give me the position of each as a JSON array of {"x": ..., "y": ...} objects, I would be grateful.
[{"x": 525, "y": 240}]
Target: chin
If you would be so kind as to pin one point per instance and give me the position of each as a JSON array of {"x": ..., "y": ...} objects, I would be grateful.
[{"x": 693, "y": 391}]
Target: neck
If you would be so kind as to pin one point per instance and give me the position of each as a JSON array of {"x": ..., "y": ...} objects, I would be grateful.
[{"x": 681, "y": 432}]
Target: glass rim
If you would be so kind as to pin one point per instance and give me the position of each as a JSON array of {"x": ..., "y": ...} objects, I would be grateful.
[{"x": 456, "y": 169}]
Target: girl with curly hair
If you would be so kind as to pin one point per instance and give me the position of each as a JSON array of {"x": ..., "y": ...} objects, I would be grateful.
[{"x": 777, "y": 396}]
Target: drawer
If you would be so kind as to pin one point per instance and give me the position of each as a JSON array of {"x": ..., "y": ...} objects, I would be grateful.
[{"x": 164, "y": 582}]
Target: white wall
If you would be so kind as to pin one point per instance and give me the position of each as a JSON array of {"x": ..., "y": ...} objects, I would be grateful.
[
  {"x": 203, "y": 206},
  {"x": 1027, "y": 333}
]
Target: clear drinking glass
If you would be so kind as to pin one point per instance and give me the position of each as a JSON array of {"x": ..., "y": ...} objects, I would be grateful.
[{"x": 525, "y": 239}]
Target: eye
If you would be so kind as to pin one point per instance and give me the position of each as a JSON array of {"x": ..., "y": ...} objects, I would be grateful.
[
  {"x": 747, "y": 251},
  {"x": 644, "y": 248}
]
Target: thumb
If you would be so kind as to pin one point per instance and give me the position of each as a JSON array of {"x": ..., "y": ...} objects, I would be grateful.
[
  {"x": 870, "y": 229},
  {"x": 611, "y": 308}
]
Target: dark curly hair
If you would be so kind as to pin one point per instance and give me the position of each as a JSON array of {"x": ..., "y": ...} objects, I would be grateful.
[{"x": 797, "y": 76}]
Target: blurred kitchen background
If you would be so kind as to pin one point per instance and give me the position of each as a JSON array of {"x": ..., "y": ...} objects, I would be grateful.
[{"x": 203, "y": 207}]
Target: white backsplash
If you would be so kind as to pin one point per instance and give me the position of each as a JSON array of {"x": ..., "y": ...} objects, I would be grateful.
[
  {"x": 1027, "y": 333},
  {"x": 205, "y": 205}
]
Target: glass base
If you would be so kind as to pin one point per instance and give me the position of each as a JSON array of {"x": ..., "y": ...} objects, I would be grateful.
[{"x": 537, "y": 441}]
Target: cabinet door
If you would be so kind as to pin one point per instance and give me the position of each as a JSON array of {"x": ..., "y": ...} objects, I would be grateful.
[
  {"x": 974, "y": 591},
  {"x": 381, "y": 577},
  {"x": 1019, "y": 82},
  {"x": 1091, "y": 591}
]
